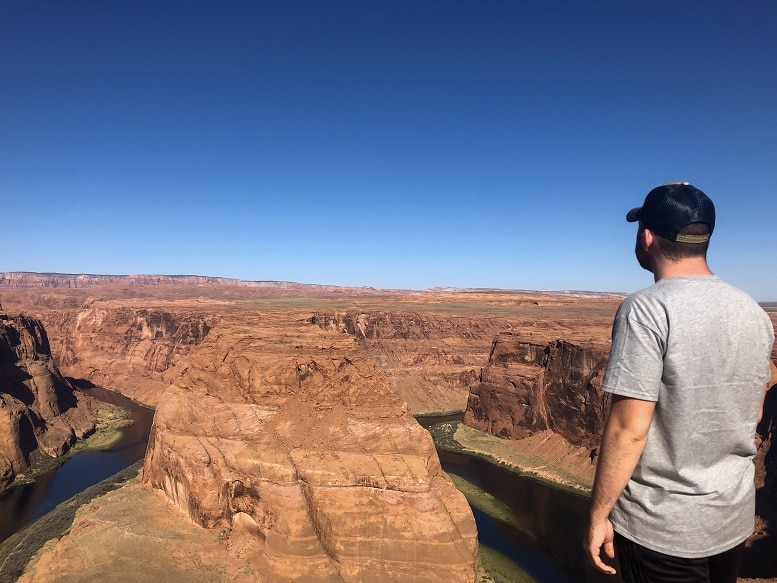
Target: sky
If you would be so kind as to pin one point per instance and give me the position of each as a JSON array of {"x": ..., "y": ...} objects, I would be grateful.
[{"x": 408, "y": 144}]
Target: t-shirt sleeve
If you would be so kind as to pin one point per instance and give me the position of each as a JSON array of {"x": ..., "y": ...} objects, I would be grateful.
[{"x": 636, "y": 361}]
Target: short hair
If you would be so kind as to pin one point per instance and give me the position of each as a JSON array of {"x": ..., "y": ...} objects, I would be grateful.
[{"x": 676, "y": 250}]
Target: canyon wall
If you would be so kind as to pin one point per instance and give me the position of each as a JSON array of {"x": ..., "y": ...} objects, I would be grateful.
[
  {"x": 528, "y": 387},
  {"x": 430, "y": 359},
  {"x": 287, "y": 424},
  {"x": 288, "y": 436},
  {"x": 124, "y": 348},
  {"x": 24, "y": 280},
  {"x": 17, "y": 280},
  {"x": 40, "y": 414}
]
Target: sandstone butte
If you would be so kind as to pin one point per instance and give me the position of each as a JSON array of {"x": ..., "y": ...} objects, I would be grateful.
[{"x": 284, "y": 412}]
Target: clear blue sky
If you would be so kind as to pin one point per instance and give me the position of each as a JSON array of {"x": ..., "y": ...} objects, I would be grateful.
[{"x": 391, "y": 144}]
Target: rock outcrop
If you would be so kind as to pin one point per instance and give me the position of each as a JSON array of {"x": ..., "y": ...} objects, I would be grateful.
[
  {"x": 40, "y": 413},
  {"x": 288, "y": 436},
  {"x": 527, "y": 387},
  {"x": 430, "y": 359},
  {"x": 126, "y": 349}
]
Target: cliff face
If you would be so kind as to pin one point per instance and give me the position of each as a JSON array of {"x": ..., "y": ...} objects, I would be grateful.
[
  {"x": 19, "y": 280},
  {"x": 23, "y": 280},
  {"x": 529, "y": 387},
  {"x": 127, "y": 349},
  {"x": 430, "y": 359},
  {"x": 290, "y": 437},
  {"x": 40, "y": 414}
]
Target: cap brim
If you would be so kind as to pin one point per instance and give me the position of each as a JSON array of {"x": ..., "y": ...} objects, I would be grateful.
[{"x": 634, "y": 215}]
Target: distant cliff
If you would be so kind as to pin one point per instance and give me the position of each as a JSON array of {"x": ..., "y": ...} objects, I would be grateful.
[
  {"x": 24, "y": 280},
  {"x": 527, "y": 387},
  {"x": 14, "y": 280},
  {"x": 40, "y": 414},
  {"x": 126, "y": 349},
  {"x": 430, "y": 359}
]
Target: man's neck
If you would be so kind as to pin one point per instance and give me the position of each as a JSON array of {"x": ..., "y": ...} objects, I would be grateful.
[{"x": 693, "y": 266}]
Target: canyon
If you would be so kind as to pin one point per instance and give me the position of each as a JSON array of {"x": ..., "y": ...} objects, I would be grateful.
[
  {"x": 40, "y": 413},
  {"x": 284, "y": 412}
]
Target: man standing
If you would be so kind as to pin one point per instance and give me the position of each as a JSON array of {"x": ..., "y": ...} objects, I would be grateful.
[{"x": 673, "y": 497}]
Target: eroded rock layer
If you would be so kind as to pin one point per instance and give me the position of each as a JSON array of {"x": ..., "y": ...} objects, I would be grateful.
[
  {"x": 284, "y": 426},
  {"x": 528, "y": 387},
  {"x": 290, "y": 437},
  {"x": 431, "y": 359},
  {"x": 40, "y": 414},
  {"x": 125, "y": 348},
  {"x": 431, "y": 346}
]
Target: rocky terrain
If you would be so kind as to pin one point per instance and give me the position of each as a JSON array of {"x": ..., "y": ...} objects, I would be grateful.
[
  {"x": 124, "y": 348},
  {"x": 40, "y": 414},
  {"x": 289, "y": 436},
  {"x": 433, "y": 347},
  {"x": 284, "y": 416},
  {"x": 527, "y": 388},
  {"x": 431, "y": 361}
]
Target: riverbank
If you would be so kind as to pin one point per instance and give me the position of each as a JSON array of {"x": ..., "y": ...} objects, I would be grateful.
[
  {"x": 545, "y": 456},
  {"x": 20, "y": 548},
  {"x": 111, "y": 419}
]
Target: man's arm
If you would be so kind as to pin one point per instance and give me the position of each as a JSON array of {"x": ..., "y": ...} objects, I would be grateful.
[{"x": 622, "y": 443}]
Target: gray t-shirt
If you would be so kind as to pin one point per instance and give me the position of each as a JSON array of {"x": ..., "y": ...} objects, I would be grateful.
[{"x": 700, "y": 349}]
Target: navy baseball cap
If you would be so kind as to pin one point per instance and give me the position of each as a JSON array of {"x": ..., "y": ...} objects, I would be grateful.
[{"x": 670, "y": 207}]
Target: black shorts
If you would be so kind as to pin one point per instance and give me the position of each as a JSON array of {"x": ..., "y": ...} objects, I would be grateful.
[{"x": 642, "y": 565}]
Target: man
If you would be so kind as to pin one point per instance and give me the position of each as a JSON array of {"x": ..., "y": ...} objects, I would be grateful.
[{"x": 673, "y": 497}]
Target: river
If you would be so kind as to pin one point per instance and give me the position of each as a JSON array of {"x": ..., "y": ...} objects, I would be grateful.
[
  {"x": 547, "y": 546},
  {"x": 22, "y": 505}
]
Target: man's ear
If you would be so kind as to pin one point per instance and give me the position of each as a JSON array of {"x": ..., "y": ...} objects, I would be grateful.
[{"x": 648, "y": 238}]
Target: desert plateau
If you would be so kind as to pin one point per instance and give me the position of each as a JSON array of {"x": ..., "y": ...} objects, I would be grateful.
[{"x": 286, "y": 444}]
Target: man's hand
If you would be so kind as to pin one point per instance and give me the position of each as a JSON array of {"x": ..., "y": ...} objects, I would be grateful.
[
  {"x": 622, "y": 443},
  {"x": 600, "y": 535}
]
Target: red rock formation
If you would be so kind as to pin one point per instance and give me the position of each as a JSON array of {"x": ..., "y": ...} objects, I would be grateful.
[
  {"x": 289, "y": 436},
  {"x": 430, "y": 359},
  {"x": 529, "y": 387},
  {"x": 126, "y": 349},
  {"x": 40, "y": 414},
  {"x": 291, "y": 430},
  {"x": 14, "y": 280}
]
